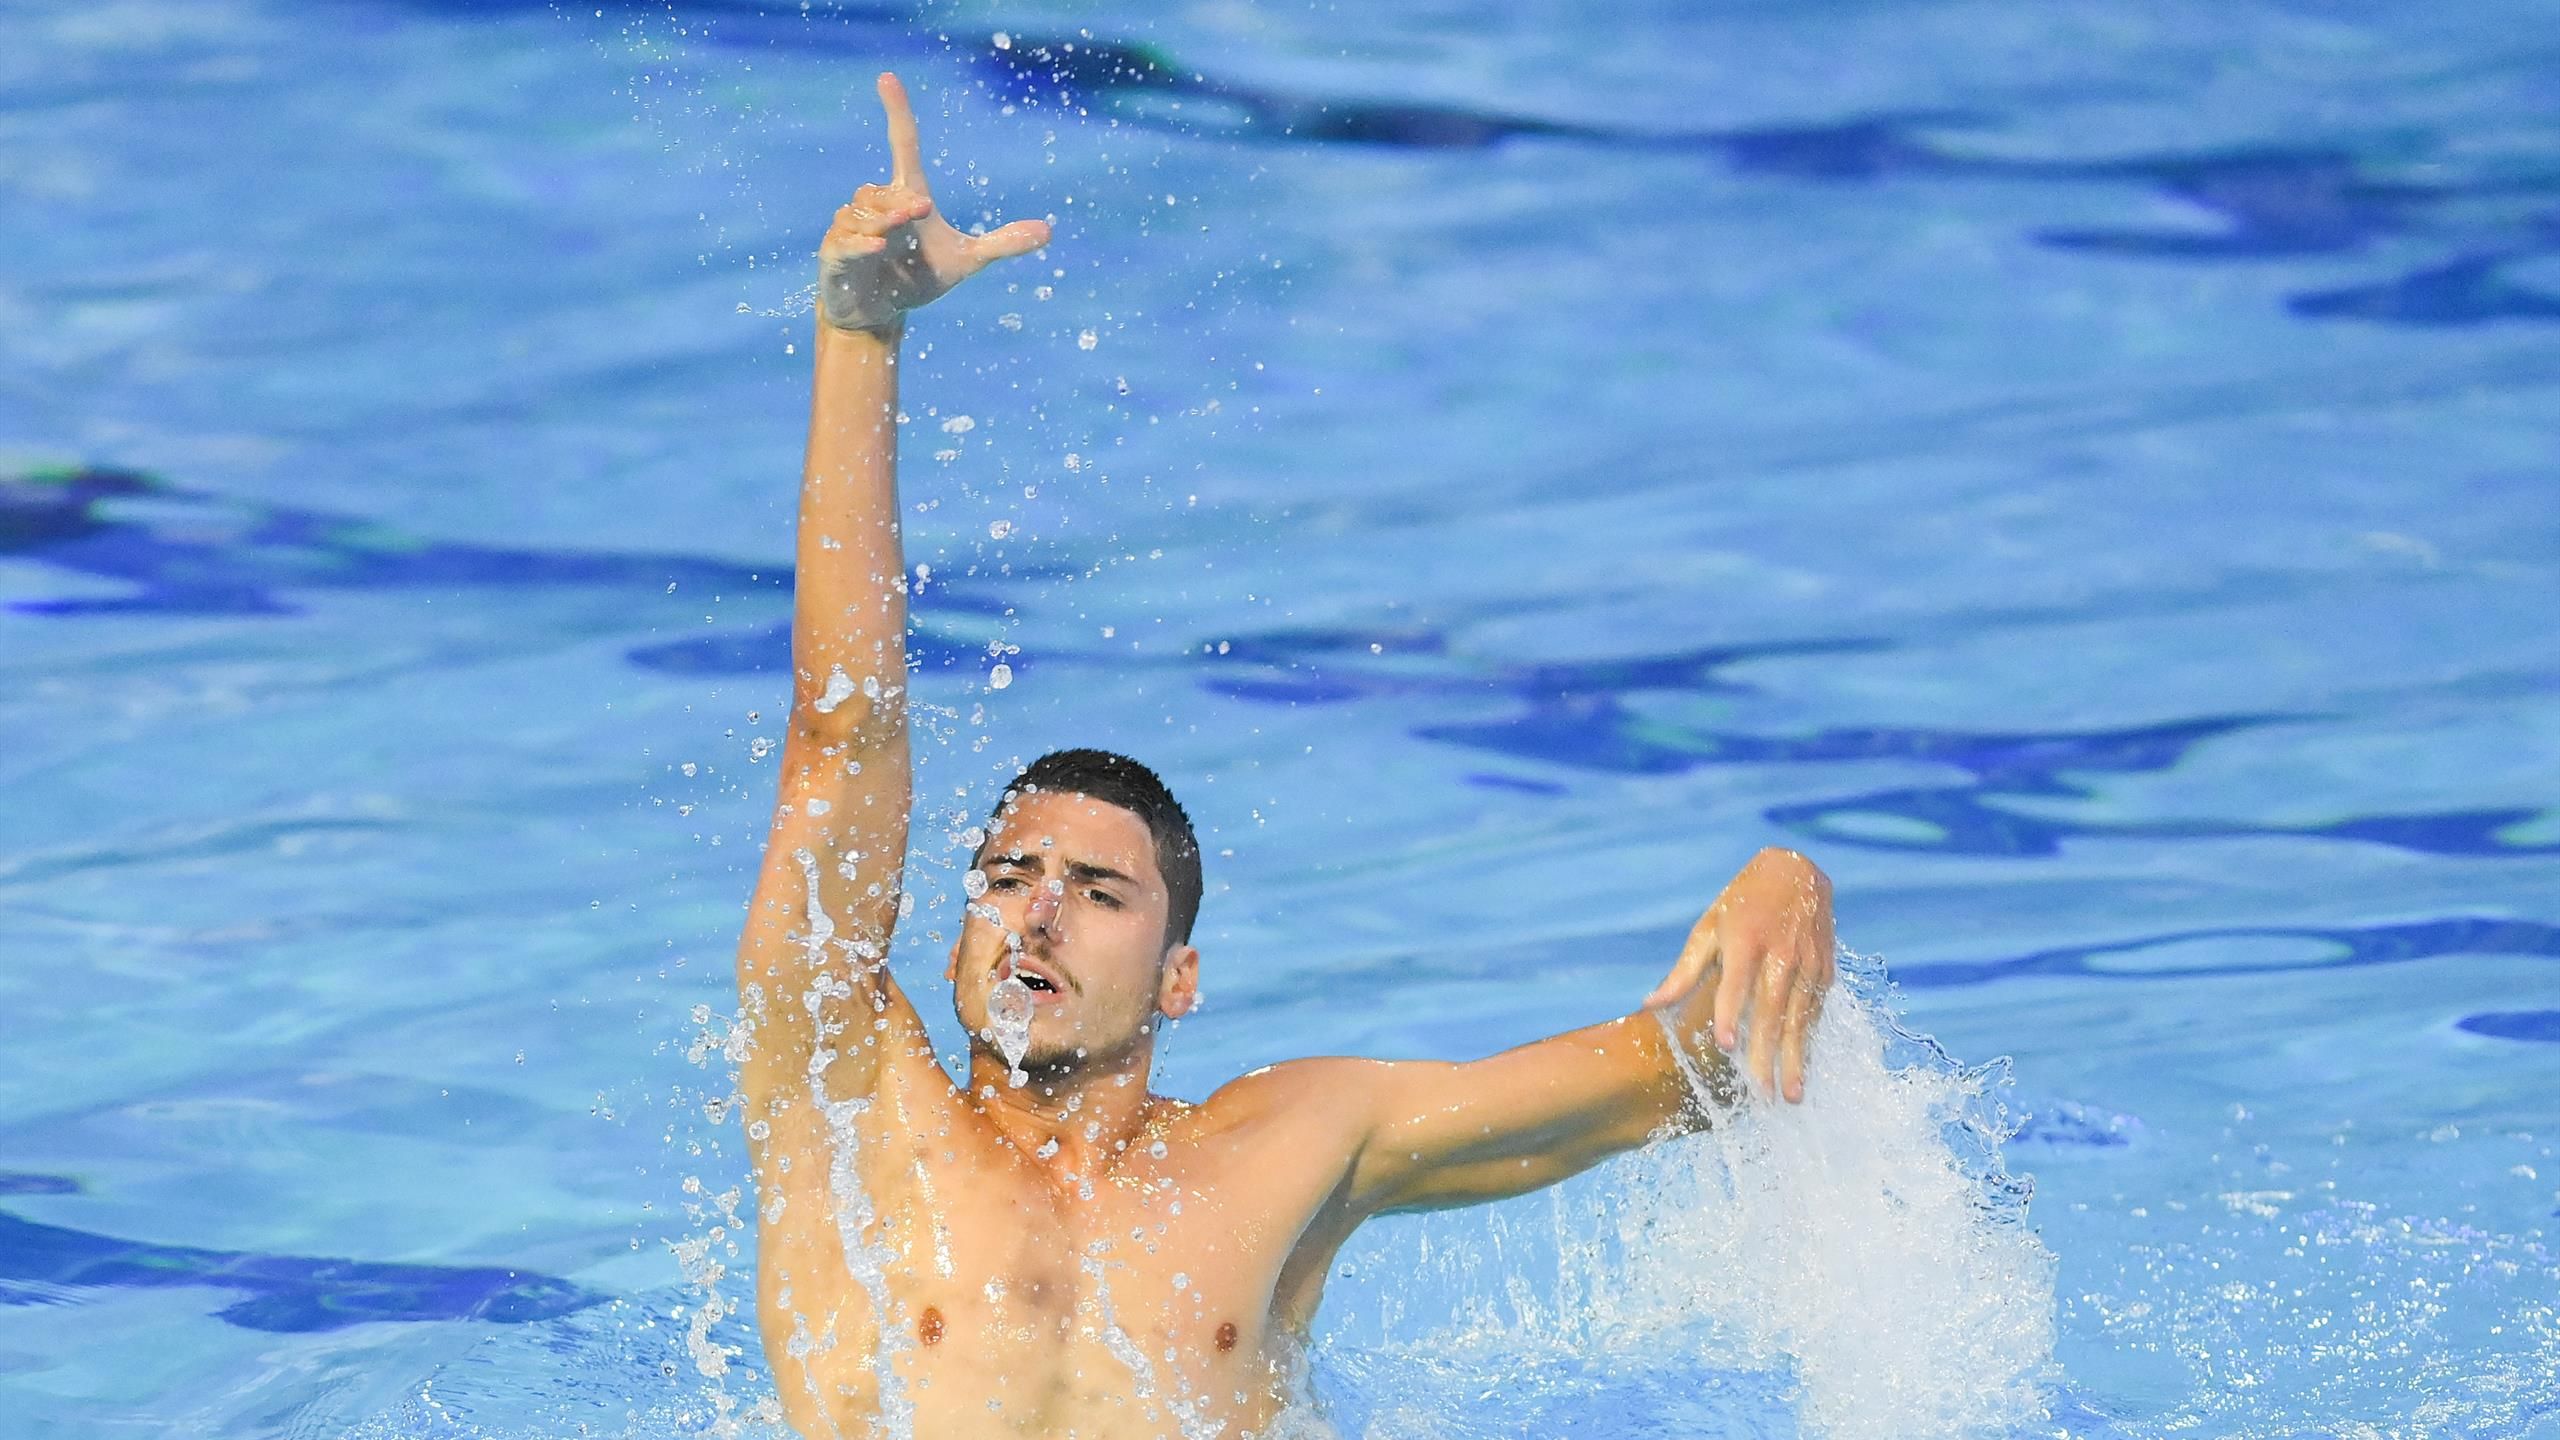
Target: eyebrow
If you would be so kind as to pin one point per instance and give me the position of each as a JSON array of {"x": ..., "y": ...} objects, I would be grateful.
[{"x": 1076, "y": 869}]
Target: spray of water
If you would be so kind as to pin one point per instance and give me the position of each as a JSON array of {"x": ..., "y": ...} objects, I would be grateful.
[
  {"x": 1857, "y": 1267},
  {"x": 1869, "y": 1237},
  {"x": 1009, "y": 1016}
]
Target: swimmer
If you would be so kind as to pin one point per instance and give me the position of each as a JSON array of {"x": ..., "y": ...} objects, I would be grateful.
[{"x": 1051, "y": 1249}]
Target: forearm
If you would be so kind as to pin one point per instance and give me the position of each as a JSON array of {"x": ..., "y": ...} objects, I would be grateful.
[
  {"x": 1457, "y": 1134},
  {"x": 849, "y": 614},
  {"x": 811, "y": 975},
  {"x": 1575, "y": 1099}
]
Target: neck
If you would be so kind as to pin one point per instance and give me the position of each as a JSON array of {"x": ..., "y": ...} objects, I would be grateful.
[{"x": 1094, "y": 1109}]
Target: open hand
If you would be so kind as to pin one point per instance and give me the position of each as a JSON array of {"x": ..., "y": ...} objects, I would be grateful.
[
  {"x": 1766, "y": 941},
  {"x": 890, "y": 250}
]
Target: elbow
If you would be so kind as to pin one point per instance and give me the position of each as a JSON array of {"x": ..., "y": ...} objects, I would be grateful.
[{"x": 864, "y": 716}]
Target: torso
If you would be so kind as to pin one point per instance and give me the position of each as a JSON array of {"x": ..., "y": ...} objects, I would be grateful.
[{"x": 1165, "y": 1295}]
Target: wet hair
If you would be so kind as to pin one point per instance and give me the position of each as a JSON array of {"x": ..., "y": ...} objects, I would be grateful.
[{"x": 1121, "y": 781}]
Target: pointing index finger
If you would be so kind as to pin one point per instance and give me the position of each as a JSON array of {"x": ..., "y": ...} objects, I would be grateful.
[{"x": 906, "y": 153}]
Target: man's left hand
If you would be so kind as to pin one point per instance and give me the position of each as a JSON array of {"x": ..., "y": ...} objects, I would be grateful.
[{"x": 1766, "y": 941}]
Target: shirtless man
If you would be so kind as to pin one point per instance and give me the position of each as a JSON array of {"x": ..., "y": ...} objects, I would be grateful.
[{"x": 1053, "y": 1250}]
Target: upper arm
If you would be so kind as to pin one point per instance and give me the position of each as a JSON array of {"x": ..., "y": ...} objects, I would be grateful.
[
  {"x": 812, "y": 972},
  {"x": 812, "y": 977},
  {"x": 1439, "y": 1133}
]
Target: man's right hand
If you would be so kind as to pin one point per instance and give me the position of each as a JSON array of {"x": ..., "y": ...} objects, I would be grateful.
[
  {"x": 1767, "y": 940},
  {"x": 890, "y": 251}
]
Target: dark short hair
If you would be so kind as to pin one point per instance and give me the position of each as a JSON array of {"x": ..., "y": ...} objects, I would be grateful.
[{"x": 1119, "y": 780}]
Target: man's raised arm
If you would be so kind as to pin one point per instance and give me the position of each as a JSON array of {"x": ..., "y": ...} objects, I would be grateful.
[
  {"x": 1438, "y": 1134},
  {"x": 811, "y": 977}
]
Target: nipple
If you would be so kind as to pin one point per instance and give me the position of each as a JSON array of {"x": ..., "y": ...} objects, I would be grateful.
[{"x": 929, "y": 1326}]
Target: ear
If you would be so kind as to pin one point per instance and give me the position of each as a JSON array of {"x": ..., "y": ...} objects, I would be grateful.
[{"x": 1178, "y": 981}]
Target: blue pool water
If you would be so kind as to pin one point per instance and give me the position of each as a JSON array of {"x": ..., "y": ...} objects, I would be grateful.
[{"x": 2083, "y": 473}]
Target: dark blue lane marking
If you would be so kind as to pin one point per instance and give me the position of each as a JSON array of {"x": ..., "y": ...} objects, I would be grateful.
[
  {"x": 768, "y": 651},
  {"x": 2268, "y": 201},
  {"x": 1957, "y": 820},
  {"x": 1570, "y": 714},
  {"x": 2468, "y": 291},
  {"x": 285, "y": 1293},
  {"x": 1332, "y": 665},
  {"x": 1485, "y": 780},
  {"x": 2271, "y": 202},
  {"x": 1575, "y": 716},
  {"x": 191, "y": 552},
  {"x": 2543, "y": 1025},
  {"x": 231, "y": 558},
  {"x": 2347, "y": 947}
]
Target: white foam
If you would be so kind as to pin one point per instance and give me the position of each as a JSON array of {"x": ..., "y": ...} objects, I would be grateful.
[
  {"x": 1861, "y": 1260},
  {"x": 1868, "y": 1236}
]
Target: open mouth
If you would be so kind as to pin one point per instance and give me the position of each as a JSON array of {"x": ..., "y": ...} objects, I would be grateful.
[{"x": 1037, "y": 977}]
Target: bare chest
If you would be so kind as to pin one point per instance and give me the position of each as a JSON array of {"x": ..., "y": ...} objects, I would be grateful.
[
  {"x": 1022, "y": 1297},
  {"x": 1016, "y": 1251}
]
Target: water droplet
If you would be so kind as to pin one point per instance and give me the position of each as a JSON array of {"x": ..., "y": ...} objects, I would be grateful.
[
  {"x": 1086, "y": 339},
  {"x": 999, "y": 529},
  {"x": 959, "y": 425},
  {"x": 1009, "y": 1018},
  {"x": 839, "y": 689},
  {"x": 1000, "y": 677}
]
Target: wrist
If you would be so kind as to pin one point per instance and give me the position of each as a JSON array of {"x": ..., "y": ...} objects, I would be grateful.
[
  {"x": 1692, "y": 1064},
  {"x": 886, "y": 334}
]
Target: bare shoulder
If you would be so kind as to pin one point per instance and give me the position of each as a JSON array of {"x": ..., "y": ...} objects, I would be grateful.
[{"x": 1328, "y": 1087}]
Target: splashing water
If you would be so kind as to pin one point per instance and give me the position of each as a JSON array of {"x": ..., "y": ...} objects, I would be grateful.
[
  {"x": 1857, "y": 1267},
  {"x": 1870, "y": 1236},
  {"x": 1009, "y": 1016}
]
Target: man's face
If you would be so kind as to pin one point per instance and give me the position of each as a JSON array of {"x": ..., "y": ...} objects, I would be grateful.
[{"x": 1074, "y": 906}]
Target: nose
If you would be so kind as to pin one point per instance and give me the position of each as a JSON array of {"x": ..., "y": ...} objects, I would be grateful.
[{"x": 1048, "y": 902}]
